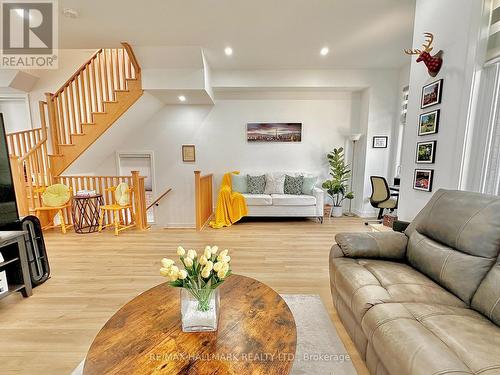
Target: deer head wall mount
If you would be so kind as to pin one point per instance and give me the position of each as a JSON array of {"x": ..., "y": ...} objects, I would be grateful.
[{"x": 433, "y": 63}]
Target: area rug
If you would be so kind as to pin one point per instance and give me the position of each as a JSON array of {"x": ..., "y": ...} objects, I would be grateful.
[{"x": 319, "y": 349}]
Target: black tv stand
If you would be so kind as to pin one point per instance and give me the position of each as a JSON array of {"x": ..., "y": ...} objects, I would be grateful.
[{"x": 13, "y": 249}]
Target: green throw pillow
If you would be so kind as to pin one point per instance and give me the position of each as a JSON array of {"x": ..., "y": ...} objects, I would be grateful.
[
  {"x": 308, "y": 185},
  {"x": 256, "y": 184},
  {"x": 293, "y": 185},
  {"x": 239, "y": 183}
]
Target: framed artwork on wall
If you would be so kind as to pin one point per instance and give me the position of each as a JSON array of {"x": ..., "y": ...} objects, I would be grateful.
[
  {"x": 422, "y": 179},
  {"x": 428, "y": 122},
  {"x": 426, "y": 152},
  {"x": 431, "y": 94},
  {"x": 274, "y": 132},
  {"x": 380, "y": 141},
  {"x": 188, "y": 153}
]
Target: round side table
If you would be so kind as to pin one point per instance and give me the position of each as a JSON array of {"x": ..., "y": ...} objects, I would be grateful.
[{"x": 85, "y": 212}]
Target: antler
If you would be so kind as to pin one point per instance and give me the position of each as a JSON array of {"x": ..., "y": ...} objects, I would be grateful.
[
  {"x": 413, "y": 51},
  {"x": 428, "y": 42}
]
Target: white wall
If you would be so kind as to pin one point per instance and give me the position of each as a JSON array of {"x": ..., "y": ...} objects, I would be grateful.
[
  {"x": 219, "y": 133},
  {"x": 15, "y": 114},
  {"x": 456, "y": 27}
]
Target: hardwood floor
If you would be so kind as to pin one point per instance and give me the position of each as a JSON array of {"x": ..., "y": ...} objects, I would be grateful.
[{"x": 94, "y": 275}]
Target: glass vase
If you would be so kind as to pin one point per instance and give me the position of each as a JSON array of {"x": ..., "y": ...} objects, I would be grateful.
[{"x": 199, "y": 309}]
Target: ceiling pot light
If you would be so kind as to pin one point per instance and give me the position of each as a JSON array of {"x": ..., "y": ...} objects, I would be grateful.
[
  {"x": 228, "y": 51},
  {"x": 324, "y": 51},
  {"x": 182, "y": 98}
]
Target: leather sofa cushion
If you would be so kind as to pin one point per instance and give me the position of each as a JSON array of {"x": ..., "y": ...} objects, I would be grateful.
[
  {"x": 258, "y": 199},
  {"x": 458, "y": 272},
  {"x": 487, "y": 298},
  {"x": 423, "y": 339},
  {"x": 293, "y": 200},
  {"x": 364, "y": 283},
  {"x": 468, "y": 222}
]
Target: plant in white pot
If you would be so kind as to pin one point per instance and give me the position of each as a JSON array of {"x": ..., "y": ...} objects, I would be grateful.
[{"x": 337, "y": 187}]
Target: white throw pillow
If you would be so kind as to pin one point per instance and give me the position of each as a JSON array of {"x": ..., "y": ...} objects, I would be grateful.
[{"x": 275, "y": 183}]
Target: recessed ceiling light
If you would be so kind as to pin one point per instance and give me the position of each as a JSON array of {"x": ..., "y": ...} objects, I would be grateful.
[
  {"x": 324, "y": 51},
  {"x": 228, "y": 51},
  {"x": 182, "y": 98}
]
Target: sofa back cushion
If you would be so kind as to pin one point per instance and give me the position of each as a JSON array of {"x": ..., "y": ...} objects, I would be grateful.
[
  {"x": 308, "y": 185},
  {"x": 293, "y": 185},
  {"x": 455, "y": 240},
  {"x": 256, "y": 184},
  {"x": 275, "y": 183},
  {"x": 458, "y": 272},
  {"x": 239, "y": 183},
  {"x": 487, "y": 298}
]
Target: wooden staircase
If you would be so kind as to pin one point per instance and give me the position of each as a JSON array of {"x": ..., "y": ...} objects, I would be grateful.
[
  {"x": 90, "y": 102},
  {"x": 73, "y": 118}
]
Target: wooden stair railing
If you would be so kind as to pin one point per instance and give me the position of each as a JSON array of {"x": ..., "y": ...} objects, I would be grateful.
[
  {"x": 155, "y": 202},
  {"x": 72, "y": 118},
  {"x": 20, "y": 143},
  {"x": 101, "y": 183},
  {"x": 90, "y": 101}
]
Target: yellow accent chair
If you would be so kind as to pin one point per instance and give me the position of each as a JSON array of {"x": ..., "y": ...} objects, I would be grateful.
[
  {"x": 121, "y": 195},
  {"x": 55, "y": 198}
]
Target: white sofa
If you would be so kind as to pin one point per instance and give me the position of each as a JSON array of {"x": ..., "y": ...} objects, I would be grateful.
[{"x": 286, "y": 205}]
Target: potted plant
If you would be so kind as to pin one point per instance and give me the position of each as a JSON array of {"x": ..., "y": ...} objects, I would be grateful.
[
  {"x": 199, "y": 282},
  {"x": 337, "y": 187}
]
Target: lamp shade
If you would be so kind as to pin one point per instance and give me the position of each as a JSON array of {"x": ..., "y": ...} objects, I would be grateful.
[{"x": 355, "y": 137}]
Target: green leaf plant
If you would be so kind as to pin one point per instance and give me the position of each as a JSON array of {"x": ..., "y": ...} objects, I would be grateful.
[{"x": 337, "y": 187}]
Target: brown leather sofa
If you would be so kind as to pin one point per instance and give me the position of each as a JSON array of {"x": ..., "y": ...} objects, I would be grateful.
[{"x": 426, "y": 301}]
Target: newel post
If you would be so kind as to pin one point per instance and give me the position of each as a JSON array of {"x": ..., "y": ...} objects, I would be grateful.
[
  {"x": 54, "y": 131},
  {"x": 19, "y": 186},
  {"x": 139, "y": 194}
]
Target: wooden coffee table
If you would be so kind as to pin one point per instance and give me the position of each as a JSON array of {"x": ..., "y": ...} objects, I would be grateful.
[{"x": 256, "y": 335}]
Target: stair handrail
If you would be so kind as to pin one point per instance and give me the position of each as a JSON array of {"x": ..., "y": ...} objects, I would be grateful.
[
  {"x": 77, "y": 73},
  {"x": 159, "y": 198},
  {"x": 131, "y": 55}
]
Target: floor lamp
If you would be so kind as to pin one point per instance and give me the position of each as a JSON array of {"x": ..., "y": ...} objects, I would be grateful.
[{"x": 353, "y": 138}]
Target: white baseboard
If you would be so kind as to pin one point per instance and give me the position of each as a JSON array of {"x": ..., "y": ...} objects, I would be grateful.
[
  {"x": 179, "y": 226},
  {"x": 365, "y": 214}
]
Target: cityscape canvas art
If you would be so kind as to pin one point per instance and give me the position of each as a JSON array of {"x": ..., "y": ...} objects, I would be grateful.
[{"x": 274, "y": 132}]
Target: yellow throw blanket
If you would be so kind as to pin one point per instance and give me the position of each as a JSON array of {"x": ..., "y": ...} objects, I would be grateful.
[{"x": 231, "y": 206}]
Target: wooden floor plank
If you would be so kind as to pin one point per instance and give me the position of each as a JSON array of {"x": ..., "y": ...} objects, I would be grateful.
[{"x": 94, "y": 275}]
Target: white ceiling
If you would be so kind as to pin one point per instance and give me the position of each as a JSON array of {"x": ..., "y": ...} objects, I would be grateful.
[{"x": 264, "y": 34}]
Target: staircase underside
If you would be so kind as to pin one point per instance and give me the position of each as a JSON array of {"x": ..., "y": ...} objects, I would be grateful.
[{"x": 68, "y": 153}]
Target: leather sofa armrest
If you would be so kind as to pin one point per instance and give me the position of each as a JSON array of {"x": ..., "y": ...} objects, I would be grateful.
[{"x": 384, "y": 245}]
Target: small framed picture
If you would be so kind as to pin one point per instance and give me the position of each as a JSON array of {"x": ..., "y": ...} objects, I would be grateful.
[
  {"x": 422, "y": 179},
  {"x": 431, "y": 94},
  {"x": 428, "y": 123},
  {"x": 380, "y": 142},
  {"x": 426, "y": 152},
  {"x": 188, "y": 153}
]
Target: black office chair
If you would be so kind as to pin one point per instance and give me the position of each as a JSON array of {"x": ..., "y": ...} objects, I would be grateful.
[{"x": 381, "y": 197}]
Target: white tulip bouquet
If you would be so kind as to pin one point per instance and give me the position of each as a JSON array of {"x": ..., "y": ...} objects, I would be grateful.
[{"x": 200, "y": 276}]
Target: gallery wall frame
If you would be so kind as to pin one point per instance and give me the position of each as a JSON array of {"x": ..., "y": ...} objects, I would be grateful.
[{"x": 431, "y": 94}]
